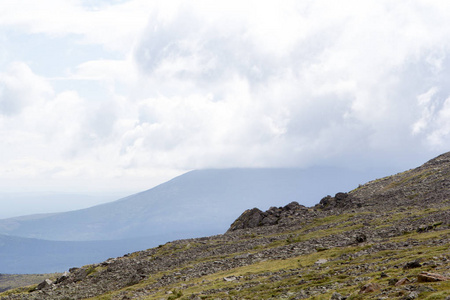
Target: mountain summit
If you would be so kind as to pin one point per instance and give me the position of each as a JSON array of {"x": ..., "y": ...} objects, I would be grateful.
[{"x": 386, "y": 239}]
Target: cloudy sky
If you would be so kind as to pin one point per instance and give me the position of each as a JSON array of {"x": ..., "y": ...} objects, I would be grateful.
[{"x": 122, "y": 95}]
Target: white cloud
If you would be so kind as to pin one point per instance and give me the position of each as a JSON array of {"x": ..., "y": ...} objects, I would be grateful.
[
  {"x": 434, "y": 122},
  {"x": 113, "y": 71},
  {"x": 335, "y": 83},
  {"x": 427, "y": 108},
  {"x": 440, "y": 135},
  {"x": 19, "y": 88},
  {"x": 186, "y": 85}
]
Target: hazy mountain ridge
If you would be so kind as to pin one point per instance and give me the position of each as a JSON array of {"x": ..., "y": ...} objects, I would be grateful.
[
  {"x": 203, "y": 202},
  {"x": 198, "y": 203},
  {"x": 388, "y": 239},
  {"x": 39, "y": 202}
]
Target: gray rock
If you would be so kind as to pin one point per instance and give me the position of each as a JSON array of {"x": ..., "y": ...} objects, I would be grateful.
[
  {"x": 340, "y": 196},
  {"x": 62, "y": 278},
  {"x": 321, "y": 261},
  {"x": 46, "y": 284},
  {"x": 230, "y": 278},
  {"x": 360, "y": 238},
  {"x": 337, "y": 296},
  {"x": 412, "y": 295},
  {"x": 292, "y": 206},
  {"x": 412, "y": 265},
  {"x": 251, "y": 218}
]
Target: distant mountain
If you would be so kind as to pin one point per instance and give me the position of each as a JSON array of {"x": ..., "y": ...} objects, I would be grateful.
[
  {"x": 32, "y": 256},
  {"x": 24, "y": 203},
  {"x": 386, "y": 239},
  {"x": 195, "y": 204}
]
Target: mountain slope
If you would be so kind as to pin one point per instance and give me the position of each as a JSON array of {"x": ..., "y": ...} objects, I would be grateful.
[
  {"x": 25, "y": 203},
  {"x": 197, "y": 203},
  {"x": 387, "y": 239}
]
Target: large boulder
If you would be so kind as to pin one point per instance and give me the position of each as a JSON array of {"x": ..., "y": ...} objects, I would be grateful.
[
  {"x": 250, "y": 218},
  {"x": 431, "y": 277},
  {"x": 46, "y": 284}
]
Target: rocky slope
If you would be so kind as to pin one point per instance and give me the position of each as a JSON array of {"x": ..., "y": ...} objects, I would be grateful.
[{"x": 387, "y": 239}]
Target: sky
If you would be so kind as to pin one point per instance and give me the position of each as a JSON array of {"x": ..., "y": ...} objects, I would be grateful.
[{"x": 122, "y": 95}]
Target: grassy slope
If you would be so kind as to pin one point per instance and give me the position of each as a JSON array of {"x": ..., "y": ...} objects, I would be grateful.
[{"x": 346, "y": 270}]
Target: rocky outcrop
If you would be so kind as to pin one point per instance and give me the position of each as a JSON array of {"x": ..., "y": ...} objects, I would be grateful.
[
  {"x": 275, "y": 215},
  {"x": 250, "y": 218},
  {"x": 46, "y": 284},
  {"x": 341, "y": 201}
]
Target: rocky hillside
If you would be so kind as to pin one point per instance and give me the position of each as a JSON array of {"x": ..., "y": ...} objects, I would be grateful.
[{"x": 387, "y": 239}]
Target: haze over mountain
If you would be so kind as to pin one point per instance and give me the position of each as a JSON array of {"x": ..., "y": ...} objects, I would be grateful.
[
  {"x": 36, "y": 202},
  {"x": 195, "y": 204}
]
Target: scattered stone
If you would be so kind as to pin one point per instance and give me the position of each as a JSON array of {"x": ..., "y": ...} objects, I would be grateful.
[
  {"x": 393, "y": 281},
  {"x": 134, "y": 279},
  {"x": 383, "y": 275},
  {"x": 370, "y": 288},
  {"x": 430, "y": 263},
  {"x": 360, "y": 238},
  {"x": 402, "y": 281},
  {"x": 46, "y": 284},
  {"x": 337, "y": 296},
  {"x": 80, "y": 274},
  {"x": 321, "y": 248},
  {"x": 321, "y": 261},
  {"x": 108, "y": 262},
  {"x": 425, "y": 228},
  {"x": 243, "y": 256},
  {"x": 230, "y": 278},
  {"x": 425, "y": 289},
  {"x": 412, "y": 295},
  {"x": 412, "y": 264},
  {"x": 431, "y": 277},
  {"x": 62, "y": 278}
]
